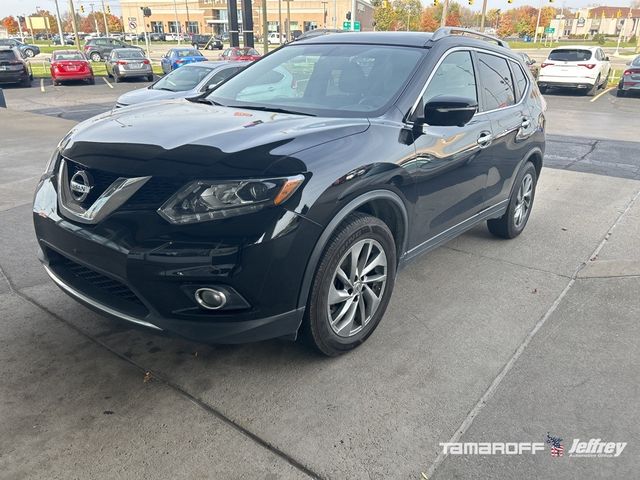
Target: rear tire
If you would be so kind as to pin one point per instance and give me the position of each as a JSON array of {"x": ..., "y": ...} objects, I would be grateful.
[
  {"x": 95, "y": 57},
  {"x": 543, "y": 90},
  {"x": 92, "y": 81},
  {"x": 348, "y": 299},
  {"x": 150, "y": 78},
  {"x": 512, "y": 223},
  {"x": 116, "y": 79},
  {"x": 592, "y": 91},
  {"x": 25, "y": 82},
  {"x": 620, "y": 93}
]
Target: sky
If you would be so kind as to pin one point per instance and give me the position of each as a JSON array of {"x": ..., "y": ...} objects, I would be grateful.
[{"x": 15, "y": 7}]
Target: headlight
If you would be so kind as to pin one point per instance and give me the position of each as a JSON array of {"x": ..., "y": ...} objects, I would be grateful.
[{"x": 203, "y": 200}]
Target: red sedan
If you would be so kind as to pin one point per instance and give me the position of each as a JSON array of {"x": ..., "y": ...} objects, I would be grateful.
[
  {"x": 243, "y": 54},
  {"x": 70, "y": 65}
]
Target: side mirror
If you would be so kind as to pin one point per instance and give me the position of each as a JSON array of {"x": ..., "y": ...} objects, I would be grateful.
[
  {"x": 212, "y": 86},
  {"x": 532, "y": 61},
  {"x": 449, "y": 111},
  {"x": 606, "y": 59}
]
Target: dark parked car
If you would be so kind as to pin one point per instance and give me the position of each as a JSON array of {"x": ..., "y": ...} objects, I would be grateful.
[
  {"x": 26, "y": 50},
  {"x": 99, "y": 48},
  {"x": 289, "y": 215},
  {"x": 153, "y": 37},
  {"x": 630, "y": 81},
  {"x": 13, "y": 68},
  {"x": 206, "y": 42},
  {"x": 128, "y": 63}
]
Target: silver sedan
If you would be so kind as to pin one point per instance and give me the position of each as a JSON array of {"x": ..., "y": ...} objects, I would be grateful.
[{"x": 127, "y": 63}]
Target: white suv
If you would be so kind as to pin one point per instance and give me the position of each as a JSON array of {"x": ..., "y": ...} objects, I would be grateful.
[{"x": 574, "y": 66}]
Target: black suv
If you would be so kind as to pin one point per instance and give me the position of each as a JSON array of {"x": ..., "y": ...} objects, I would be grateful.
[
  {"x": 283, "y": 202},
  {"x": 13, "y": 68},
  {"x": 207, "y": 42},
  {"x": 99, "y": 48}
]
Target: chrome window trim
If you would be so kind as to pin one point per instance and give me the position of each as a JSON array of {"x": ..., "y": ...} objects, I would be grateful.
[
  {"x": 468, "y": 49},
  {"x": 99, "y": 306}
]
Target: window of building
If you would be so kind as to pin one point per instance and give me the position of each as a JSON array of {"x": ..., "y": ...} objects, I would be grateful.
[
  {"x": 193, "y": 27},
  {"x": 174, "y": 27},
  {"x": 157, "y": 27}
]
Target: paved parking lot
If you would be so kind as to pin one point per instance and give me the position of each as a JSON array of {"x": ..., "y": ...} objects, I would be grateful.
[{"x": 484, "y": 340}]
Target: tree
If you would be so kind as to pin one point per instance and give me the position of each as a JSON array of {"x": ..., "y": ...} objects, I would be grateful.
[
  {"x": 407, "y": 14},
  {"x": 428, "y": 20},
  {"x": 11, "y": 24},
  {"x": 385, "y": 16},
  {"x": 115, "y": 23}
]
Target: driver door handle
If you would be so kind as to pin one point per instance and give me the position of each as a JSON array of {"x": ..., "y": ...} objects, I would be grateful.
[{"x": 484, "y": 140}]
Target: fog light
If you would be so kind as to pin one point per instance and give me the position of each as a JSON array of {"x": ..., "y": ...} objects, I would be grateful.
[{"x": 210, "y": 299}]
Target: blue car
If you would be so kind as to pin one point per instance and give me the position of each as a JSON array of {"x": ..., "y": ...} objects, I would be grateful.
[{"x": 176, "y": 57}]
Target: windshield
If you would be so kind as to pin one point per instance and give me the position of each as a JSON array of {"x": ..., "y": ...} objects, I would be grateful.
[
  {"x": 68, "y": 56},
  {"x": 327, "y": 80},
  {"x": 182, "y": 79},
  {"x": 570, "y": 55},
  {"x": 122, "y": 53}
]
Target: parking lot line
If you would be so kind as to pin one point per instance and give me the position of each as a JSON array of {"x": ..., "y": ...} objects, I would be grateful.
[
  {"x": 42, "y": 85},
  {"x": 601, "y": 94},
  {"x": 107, "y": 82}
]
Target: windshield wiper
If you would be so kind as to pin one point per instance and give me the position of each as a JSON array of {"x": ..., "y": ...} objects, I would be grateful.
[
  {"x": 271, "y": 109},
  {"x": 165, "y": 89},
  {"x": 203, "y": 99}
]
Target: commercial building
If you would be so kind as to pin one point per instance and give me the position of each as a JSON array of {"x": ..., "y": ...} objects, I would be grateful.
[
  {"x": 599, "y": 20},
  {"x": 211, "y": 16}
]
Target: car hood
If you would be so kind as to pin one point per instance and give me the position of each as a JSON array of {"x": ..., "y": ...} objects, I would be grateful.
[
  {"x": 183, "y": 139},
  {"x": 148, "y": 94}
]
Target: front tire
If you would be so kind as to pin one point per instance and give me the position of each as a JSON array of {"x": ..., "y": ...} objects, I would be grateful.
[
  {"x": 30, "y": 53},
  {"x": 512, "y": 223},
  {"x": 352, "y": 285},
  {"x": 96, "y": 57}
]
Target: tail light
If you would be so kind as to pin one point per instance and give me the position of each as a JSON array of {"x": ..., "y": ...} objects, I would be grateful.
[
  {"x": 122, "y": 62},
  {"x": 542, "y": 65},
  {"x": 627, "y": 72},
  {"x": 590, "y": 66},
  {"x": 146, "y": 62},
  {"x": 179, "y": 61}
]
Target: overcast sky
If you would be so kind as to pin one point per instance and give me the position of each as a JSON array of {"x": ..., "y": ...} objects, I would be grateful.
[{"x": 15, "y": 7}]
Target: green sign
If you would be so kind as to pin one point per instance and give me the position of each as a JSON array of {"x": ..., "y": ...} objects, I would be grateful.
[
  {"x": 549, "y": 30},
  {"x": 346, "y": 25}
]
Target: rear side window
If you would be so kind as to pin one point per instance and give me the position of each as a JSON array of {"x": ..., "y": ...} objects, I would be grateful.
[
  {"x": 570, "y": 55},
  {"x": 497, "y": 84},
  {"x": 519, "y": 79},
  {"x": 7, "y": 55},
  {"x": 454, "y": 76}
]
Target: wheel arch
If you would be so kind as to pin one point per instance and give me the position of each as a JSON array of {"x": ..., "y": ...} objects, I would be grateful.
[{"x": 383, "y": 204}]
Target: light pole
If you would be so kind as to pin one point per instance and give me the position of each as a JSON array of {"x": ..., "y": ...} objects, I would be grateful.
[
  {"x": 324, "y": 13},
  {"x": 484, "y": 15},
  {"x": 104, "y": 17},
  {"x": 535, "y": 37},
  {"x": 279, "y": 22},
  {"x": 622, "y": 29},
  {"x": 265, "y": 27},
  {"x": 95, "y": 22},
  {"x": 175, "y": 9},
  {"x": 445, "y": 11},
  {"x": 74, "y": 23},
  {"x": 354, "y": 7},
  {"x": 59, "y": 23}
]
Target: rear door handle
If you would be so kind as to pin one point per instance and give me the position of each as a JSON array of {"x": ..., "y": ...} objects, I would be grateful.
[{"x": 484, "y": 140}]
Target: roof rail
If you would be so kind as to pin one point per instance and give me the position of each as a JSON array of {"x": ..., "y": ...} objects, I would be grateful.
[{"x": 447, "y": 31}]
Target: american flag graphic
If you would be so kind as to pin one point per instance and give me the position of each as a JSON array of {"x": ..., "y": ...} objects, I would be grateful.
[{"x": 557, "y": 449}]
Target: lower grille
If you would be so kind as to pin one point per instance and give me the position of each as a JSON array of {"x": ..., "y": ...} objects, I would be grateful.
[{"x": 104, "y": 289}]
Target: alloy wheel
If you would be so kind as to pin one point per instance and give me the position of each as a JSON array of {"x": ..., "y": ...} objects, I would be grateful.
[
  {"x": 523, "y": 201},
  {"x": 357, "y": 287}
]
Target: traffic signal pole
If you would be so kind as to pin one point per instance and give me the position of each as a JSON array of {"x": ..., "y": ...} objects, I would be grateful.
[
  {"x": 60, "y": 32},
  {"x": 445, "y": 11},
  {"x": 484, "y": 15},
  {"x": 74, "y": 23}
]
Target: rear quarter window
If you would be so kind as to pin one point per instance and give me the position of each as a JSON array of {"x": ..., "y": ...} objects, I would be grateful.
[
  {"x": 497, "y": 83},
  {"x": 570, "y": 55}
]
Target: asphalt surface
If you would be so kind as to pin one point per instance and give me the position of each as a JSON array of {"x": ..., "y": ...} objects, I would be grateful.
[{"x": 484, "y": 340}]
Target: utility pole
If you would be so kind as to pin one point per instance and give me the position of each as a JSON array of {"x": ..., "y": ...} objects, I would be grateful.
[
  {"x": 445, "y": 11},
  {"x": 288, "y": 24},
  {"x": 59, "y": 23},
  {"x": 535, "y": 38},
  {"x": 279, "y": 22},
  {"x": 484, "y": 15},
  {"x": 175, "y": 9},
  {"x": 265, "y": 27},
  {"x": 324, "y": 12},
  {"x": 354, "y": 7},
  {"x": 74, "y": 23},
  {"x": 95, "y": 22},
  {"x": 104, "y": 17},
  {"x": 20, "y": 18},
  {"x": 186, "y": 5}
]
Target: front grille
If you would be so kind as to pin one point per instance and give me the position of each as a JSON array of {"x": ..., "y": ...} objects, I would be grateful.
[
  {"x": 103, "y": 289},
  {"x": 151, "y": 196}
]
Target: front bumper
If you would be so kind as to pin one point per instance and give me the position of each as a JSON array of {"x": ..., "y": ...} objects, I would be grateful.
[{"x": 136, "y": 267}]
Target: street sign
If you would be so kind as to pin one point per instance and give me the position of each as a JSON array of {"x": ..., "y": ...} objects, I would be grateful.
[
  {"x": 133, "y": 24},
  {"x": 346, "y": 25},
  {"x": 549, "y": 30},
  {"x": 132, "y": 19}
]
